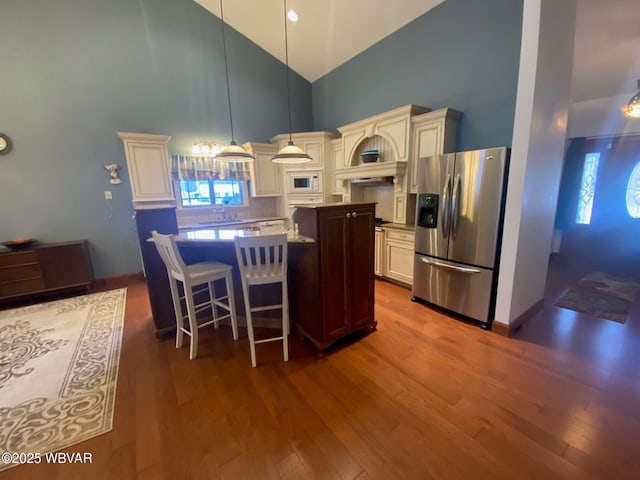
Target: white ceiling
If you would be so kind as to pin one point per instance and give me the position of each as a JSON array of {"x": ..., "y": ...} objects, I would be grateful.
[
  {"x": 607, "y": 50},
  {"x": 328, "y": 32},
  {"x": 331, "y": 32}
]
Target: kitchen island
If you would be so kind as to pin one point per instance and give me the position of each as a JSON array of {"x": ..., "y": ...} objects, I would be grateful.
[
  {"x": 199, "y": 245},
  {"x": 330, "y": 267}
]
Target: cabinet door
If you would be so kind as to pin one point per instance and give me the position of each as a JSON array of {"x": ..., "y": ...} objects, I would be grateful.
[
  {"x": 335, "y": 267},
  {"x": 362, "y": 251},
  {"x": 265, "y": 181},
  {"x": 149, "y": 169},
  {"x": 66, "y": 265},
  {"x": 432, "y": 133},
  {"x": 314, "y": 149},
  {"x": 399, "y": 261},
  {"x": 427, "y": 141}
]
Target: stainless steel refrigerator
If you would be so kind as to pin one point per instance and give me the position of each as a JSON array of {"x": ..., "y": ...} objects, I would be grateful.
[{"x": 459, "y": 216}]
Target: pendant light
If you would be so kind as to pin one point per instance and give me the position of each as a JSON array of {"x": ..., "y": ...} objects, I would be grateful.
[
  {"x": 632, "y": 109},
  {"x": 232, "y": 152},
  {"x": 290, "y": 153}
]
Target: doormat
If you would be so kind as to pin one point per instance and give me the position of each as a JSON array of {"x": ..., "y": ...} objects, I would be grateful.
[
  {"x": 58, "y": 372},
  {"x": 601, "y": 295}
]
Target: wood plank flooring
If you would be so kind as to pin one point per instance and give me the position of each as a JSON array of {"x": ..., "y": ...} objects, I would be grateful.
[{"x": 425, "y": 397}]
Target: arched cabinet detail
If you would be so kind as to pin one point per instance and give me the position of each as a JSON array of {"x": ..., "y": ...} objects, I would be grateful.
[
  {"x": 394, "y": 127},
  {"x": 401, "y": 136}
]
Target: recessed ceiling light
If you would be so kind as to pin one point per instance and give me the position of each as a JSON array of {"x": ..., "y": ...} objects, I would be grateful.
[{"x": 292, "y": 15}]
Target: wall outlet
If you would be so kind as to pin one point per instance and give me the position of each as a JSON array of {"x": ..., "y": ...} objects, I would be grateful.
[{"x": 107, "y": 195}]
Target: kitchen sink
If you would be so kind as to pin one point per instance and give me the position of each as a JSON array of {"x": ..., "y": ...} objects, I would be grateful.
[{"x": 221, "y": 222}]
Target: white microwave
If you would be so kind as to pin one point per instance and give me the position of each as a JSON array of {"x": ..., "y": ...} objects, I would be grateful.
[{"x": 304, "y": 182}]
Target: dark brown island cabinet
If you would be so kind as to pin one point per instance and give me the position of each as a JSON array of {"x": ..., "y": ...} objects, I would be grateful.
[
  {"x": 334, "y": 281},
  {"x": 43, "y": 269}
]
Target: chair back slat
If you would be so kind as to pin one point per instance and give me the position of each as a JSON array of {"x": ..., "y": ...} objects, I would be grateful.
[
  {"x": 168, "y": 250},
  {"x": 262, "y": 257}
]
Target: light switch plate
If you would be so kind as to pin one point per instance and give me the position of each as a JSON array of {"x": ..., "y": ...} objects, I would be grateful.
[{"x": 107, "y": 195}]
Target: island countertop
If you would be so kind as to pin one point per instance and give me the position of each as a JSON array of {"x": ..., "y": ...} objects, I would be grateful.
[
  {"x": 238, "y": 223},
  {"x": 226, "y": 235}
]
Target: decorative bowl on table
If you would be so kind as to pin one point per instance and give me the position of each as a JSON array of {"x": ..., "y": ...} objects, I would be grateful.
[
  {"x": 19, "y": 243},
  {"x": 370, "y": 156}
]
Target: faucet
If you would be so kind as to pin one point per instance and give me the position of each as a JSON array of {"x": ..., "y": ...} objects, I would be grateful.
[
  {"x": 221, "y": 214},
  {"x": 225, "y": 217}
]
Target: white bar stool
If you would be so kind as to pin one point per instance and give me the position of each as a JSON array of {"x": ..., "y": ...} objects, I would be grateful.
[
  {"x": 193, "y": 276},
  {"x": 263, "y": 260}
]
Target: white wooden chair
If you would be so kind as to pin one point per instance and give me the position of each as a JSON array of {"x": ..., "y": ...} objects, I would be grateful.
[
  {"x": 193, "y": 276},
  {"x": 263, "y": 260}
]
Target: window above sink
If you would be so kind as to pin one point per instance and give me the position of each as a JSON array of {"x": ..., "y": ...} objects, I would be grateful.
[{"x": 208, "y": 193}]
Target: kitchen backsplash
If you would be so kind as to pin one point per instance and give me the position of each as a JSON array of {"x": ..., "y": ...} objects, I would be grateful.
[
  {"x": 381, "y": 194},
  {"x": 264, "y": 207}
]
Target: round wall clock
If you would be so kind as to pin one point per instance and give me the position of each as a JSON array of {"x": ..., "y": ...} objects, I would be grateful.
[{"x": 5, "y": 144}]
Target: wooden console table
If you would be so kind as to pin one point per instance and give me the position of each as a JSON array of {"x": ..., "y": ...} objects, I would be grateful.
[{"x": 45, "y": 268}]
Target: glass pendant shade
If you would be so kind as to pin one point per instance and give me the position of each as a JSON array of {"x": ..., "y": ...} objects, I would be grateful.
[
  {"x": 632, "y": 109},
  {"x": 291, "y": 154},
  {"x": 234, "y": 153}
]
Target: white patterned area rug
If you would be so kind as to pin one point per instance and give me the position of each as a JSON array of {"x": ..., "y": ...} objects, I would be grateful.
[{"x": 58, "y": 371}]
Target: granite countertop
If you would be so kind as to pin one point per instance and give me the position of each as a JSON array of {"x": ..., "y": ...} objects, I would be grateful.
[
  {"x": 226, "y": 235},
  {"x": 399, "y": 226},
  {"x": 223, "y": 224}
]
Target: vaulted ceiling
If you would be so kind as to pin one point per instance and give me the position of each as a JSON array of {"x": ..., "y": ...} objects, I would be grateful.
[
  {"x": 328, "y": 32},
  {"x": 331, "y": 32}
]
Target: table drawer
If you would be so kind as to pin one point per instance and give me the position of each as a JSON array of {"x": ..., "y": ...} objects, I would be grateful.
[
  {"x": 20, "y": 272},
  {"x": 18, "y": 287},
  {"x": 400, "y": 235},
  {"x": 18, "y": 258}
]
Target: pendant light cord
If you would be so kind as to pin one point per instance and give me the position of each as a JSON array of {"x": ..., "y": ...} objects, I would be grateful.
[
  {"x": 286, "y": 57},
  {"x": 226, "y": 71}
]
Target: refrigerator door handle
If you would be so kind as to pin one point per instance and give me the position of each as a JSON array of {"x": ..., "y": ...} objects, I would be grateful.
[
  {"x": 446, "y": 266},
  {"x": 445, "y": 207},
  {"x": 455, "y": 198}
]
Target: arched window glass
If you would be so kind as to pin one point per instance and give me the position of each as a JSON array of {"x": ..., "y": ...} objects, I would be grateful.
[
  {"x": 633, "y": 192},
  {"x": 587, "y": 188}
]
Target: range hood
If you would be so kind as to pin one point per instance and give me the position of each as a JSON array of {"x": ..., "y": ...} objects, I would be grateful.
[
  {"x": 372, "y": 170},
  {"x": 372, "y": 180}
]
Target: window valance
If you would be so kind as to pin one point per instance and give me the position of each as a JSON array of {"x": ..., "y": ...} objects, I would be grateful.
[{"x": 202, "y": 167}]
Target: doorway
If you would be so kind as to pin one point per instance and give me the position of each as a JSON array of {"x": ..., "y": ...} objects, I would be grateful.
[{"x": 599, "y": 205}]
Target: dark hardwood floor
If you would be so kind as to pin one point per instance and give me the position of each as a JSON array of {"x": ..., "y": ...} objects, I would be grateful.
[{"x": 425, "y": 396}]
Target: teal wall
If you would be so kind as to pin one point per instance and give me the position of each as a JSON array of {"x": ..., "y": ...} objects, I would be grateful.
[
  {"x": 463, "y": 54},
  {"x": 73, "y": 72},
  {"x": 76, "y": 71}
]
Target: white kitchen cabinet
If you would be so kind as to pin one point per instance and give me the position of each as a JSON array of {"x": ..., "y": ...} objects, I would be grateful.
[
  {"x": 393, "y": 129},
  {"x": 318, "y": 146},
  {"x": 433, "y": 133},
  {"x": 398, "y": 255},
  {"x": 391, "y": 133},
  {"x": 337, "y": 185},
  {"x": 266, "y": 176},
  {"x": 149, "y": 169},
  {"x": 379, "y": 253}
]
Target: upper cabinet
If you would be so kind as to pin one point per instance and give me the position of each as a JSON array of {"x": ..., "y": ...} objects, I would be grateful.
[
  {"x": 149, "y": 169},
  {"x": 389, "y": 132},
  {"x": 318, "y": 145},
  {"x": 433, "y": 133},
  {"x": 266, "y": 178}
]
